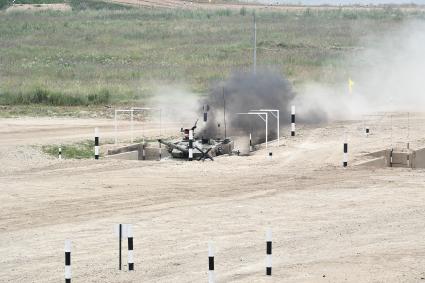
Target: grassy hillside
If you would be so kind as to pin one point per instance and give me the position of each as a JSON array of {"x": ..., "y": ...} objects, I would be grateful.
[{"x": 107, "y": 53}]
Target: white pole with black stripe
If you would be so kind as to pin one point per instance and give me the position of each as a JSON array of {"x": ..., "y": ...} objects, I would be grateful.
[
  {"x": 205, "y": 108},
  {"x": 345, "y": 156},
  {"x": 250, "y": 142},
  {"x": 269, "y": 252},
  {"x": 143, "y": 151},
  {"x": 293, "y": 120},
  {"x": 96, "y": 143},
  {"x": 190, "y": 145},
  {"x": 130, "y": 247},
  {"x": 68, "y": 274},
  {"x": 210, "y": 263},
  {"x": 60, "y": 152},
  {"x": 160, "y": 151}
]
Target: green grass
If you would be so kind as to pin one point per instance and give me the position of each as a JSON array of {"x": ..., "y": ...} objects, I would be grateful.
[
  {"x": 106, "y": 53},
  {"x": 38, "y": 1},
  {"x": 78, "y": 5},
  {"x": 47, "y": 97},
  {"x": 4, "y": 4},
  {"x": 80, "y": 150}
]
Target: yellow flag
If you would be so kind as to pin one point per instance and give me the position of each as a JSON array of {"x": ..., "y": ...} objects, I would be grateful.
[{"x": 350, "y": 85}]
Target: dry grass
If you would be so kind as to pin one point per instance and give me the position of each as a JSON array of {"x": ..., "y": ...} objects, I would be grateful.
[{"x": 127, "y": 52}]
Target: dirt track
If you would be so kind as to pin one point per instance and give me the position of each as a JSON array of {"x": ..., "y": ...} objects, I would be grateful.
[
  {"x": 182, "y": 4},
  {"x": 329, "y": 224}
]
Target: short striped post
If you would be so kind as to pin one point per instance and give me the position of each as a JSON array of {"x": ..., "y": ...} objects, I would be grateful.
[
  {"x": 270, "y": 155},
  {"x": 96, "y": 143},
  {"x": 68, "y": 274},
  {"x": 269, "y": 252},
  {"x": 408, "y": 157},
  {"x": 205, "y": 108},
  {"x": 210, "y": 263},
  {"x": 143, "y": 152},
  {"x": 345, "y": 157},
  {"x": 130, "y": 247},
  {"x": 60, "y": 153},
  {"x": 367, "y": 131},
  {"x": 391, "y": 157},
  {"x": 119, "y": 245},
  {"x": 250, "y": 142},
  {"x": 160, "y": 152},
  {"x": 190, "y": 145},
  {"x": 292, "y": 121}
]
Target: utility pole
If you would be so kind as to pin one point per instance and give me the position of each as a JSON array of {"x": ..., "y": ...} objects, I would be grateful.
[
  {"x": 224, "y": 114},
  {"x": 255, "y": 45}
]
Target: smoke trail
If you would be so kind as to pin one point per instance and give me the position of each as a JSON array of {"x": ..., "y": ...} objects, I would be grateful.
[
  {"x": 387, "y": 75},
  {"x": 243, "y": 92}
]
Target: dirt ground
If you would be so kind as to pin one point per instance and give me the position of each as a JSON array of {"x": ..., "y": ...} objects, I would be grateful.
[
  {"x": 329, "y": 224},
  {"x": 39, "y": 7},
  {"x": 214, "y": 4}
]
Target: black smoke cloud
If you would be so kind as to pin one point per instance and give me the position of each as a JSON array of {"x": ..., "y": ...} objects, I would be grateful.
[{"x": 243, "y": 92}]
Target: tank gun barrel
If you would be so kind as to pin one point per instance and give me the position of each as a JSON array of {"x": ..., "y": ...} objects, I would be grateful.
[{"x": 173, "y": 146}]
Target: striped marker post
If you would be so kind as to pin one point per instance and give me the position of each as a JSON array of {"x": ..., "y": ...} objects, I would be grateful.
[
  {"x": 250, "y": 142},
  {"x": 391, "y": 157},
  {"x": 269, "y": 252},
  {"x": 160, "y": 152},
  {"x": 292, "y": 121},
  {"x": 345, "y": 156},
  {"x": 119, "y": 245},
  {"x": 68, "y": 274},
  {"x": 60, "y": 152},
  {"x": 270, "y": 155},
  {"x": 408, "y": 158},
  {"x": 367, "y": 132},
  {"x": 210, "y": 263},
  {"x": 205, "y": 108},
  {"x": 190, "y": 145},
  {"x": 130, "y": 247},
  {"x": 96, "y": 143},
  {"x": 143, "y": 152}
]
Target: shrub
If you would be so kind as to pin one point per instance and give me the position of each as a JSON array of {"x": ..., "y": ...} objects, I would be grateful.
[
  {"x": 46, "y": 97},
  {"x": 242, "y": 11},
  {"x": 80, "y": 150},
  {"x": 4, "y": 4}
]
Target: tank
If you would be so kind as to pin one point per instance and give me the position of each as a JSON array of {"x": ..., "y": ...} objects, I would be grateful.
[{"x": 203, "y": 148}]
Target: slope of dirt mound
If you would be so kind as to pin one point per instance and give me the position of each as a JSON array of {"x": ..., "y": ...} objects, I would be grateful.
[
  {"x": 39, "y": 7},
  {"x": 211, "y": 4}
]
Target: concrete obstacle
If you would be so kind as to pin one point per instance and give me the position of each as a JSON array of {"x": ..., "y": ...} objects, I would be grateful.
[
  {"x": 96, "y": 143},
  {"x": 292, "y": 121},
  {"x": 139, "y": 151},
  {"x": 68, "y": 274},
  {"x": 210, "y": 263},
  {"x": 130, "y": 247},
  {"x": 345, "y": 156},
  {"x": 396, "y": 157},
  {"x": 269, "y": 252}
]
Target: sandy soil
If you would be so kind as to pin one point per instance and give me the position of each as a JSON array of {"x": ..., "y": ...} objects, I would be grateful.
[
  {"x": 220, "y": 5},
  {"x": 329, "y": 224},
  {"x": 39, "y": 7}
]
